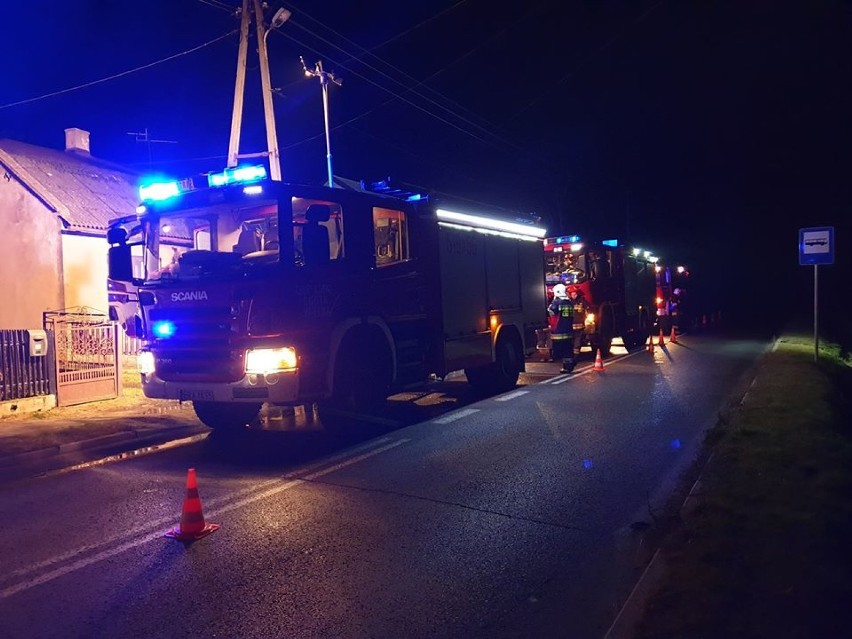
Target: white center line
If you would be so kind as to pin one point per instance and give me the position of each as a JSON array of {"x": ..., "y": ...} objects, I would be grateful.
[
  {"x": 512, "y": 395},
  {"x": 456, "y": 415}
]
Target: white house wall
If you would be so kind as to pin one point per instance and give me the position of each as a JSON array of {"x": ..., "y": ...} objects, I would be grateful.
[
  {"x": 30, "y": 256},
  {"x": 85, "y": 271}
]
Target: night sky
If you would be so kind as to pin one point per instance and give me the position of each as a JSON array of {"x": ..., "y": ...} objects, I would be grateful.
[{"x": 709, "y": 132}]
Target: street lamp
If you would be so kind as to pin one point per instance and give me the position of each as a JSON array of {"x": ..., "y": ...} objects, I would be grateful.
[
  {"x": 324, "y": 77},
  {"x": 281, "y": 16}
]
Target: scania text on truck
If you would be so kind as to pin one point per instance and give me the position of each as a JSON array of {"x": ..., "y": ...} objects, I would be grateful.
[
  {"x": 254, "y": 291},
  {"x": 618, "y": 284}
]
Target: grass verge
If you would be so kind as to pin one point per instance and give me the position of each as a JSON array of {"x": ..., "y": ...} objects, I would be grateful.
[{"x": 765, "y": 553}]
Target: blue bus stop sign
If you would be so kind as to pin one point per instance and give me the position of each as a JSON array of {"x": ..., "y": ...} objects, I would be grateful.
[{"x": 816, "y": 246}]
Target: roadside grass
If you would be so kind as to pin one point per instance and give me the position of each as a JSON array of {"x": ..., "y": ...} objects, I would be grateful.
[{"x": 766, "y": 550}]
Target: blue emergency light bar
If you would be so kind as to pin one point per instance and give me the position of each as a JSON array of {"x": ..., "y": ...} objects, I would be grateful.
[
  {"x": 162, "y": 191},
  {"x": 237, "y": 175},
  {"x": 159, "y": 191},
  {"x": 612, "y": 243},
  {"x": 563, "y": 239}
]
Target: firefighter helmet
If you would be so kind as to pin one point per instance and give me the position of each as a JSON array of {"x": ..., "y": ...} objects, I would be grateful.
[{"x": 559, "y": 290}]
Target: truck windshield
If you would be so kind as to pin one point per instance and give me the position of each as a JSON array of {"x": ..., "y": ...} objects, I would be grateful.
[
  {"x": 212, "y": 242},
  {"x": 565, "y": 267}
]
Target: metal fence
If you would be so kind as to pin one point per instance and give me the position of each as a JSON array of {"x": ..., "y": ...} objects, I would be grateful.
[
  {"x": 87, "y": 358},
  {"x": 22, "y": 375}
]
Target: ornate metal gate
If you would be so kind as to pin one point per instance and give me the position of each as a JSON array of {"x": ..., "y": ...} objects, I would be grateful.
[{"x": 87, "y": 355}]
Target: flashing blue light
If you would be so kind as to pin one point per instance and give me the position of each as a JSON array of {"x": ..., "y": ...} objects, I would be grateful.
[
  {"x": 238, "y": 175},
  {"x": 566, "y": 239},
  {"x": 159, "y": 191},
  {"x": 163, "y": 328},
  {"x": 612, "y": 243}
]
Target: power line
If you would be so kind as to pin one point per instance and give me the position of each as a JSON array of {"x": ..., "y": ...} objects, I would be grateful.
[
  {"x": 369, "y": 52},
  {"x": 410, "y": 89},
  {"x": 119, "y": 75},
  {"x": 219, "y": 5},
  {"x": 399, "y": 97}
]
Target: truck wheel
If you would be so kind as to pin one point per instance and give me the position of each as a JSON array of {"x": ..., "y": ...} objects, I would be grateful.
[
  {"x": 232, "y": 416},
  {"x": 607, "y": 331},
  {"x": 501, "y": 375},
  {"x": 633, "y": 339},
  {"x": 361, "y": 384},
  {"x": 510, "y": 362}
]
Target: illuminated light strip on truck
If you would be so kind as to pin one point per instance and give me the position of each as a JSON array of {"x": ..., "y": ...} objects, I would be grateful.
[
  {"x": 486, "y": 223},
  {"x": 479, "y": 229}
]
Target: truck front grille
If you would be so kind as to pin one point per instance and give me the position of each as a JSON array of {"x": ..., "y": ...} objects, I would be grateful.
[{"x": 199, "y": 348}]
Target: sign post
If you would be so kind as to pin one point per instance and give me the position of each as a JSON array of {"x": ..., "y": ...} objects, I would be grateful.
[{"x": 816, "y": 246}]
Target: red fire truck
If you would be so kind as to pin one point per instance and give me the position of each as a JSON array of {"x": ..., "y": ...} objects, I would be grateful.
[
  {"x": 618, "y": 284},
  {"x": 671, "y": 297},
  {"x": 255, "y": 291}
]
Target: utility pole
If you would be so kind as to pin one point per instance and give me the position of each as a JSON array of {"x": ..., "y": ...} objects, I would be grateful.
[
  {"x": 324, "y": 77},
  {"x": 281, "y": 16}
]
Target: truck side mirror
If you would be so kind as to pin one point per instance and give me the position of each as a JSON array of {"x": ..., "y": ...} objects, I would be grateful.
[
  {"x": 116, "y": 235},
  {"x": 120, "y": 263}
]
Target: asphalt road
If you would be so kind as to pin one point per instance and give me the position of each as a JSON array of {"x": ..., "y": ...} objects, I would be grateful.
[{"x": 515, "y": 516}]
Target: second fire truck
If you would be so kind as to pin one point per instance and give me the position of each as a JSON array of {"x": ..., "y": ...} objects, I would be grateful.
[{"x": 618, "y": 284}]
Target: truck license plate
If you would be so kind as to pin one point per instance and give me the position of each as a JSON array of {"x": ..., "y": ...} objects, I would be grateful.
[{"x": 191, "y": 395}]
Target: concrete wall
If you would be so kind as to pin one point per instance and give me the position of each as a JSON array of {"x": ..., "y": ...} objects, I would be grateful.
[{"x": 30, "y": 257}]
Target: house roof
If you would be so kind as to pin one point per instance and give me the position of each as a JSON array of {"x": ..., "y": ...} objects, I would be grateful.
[{"x": 83, "y": 191}]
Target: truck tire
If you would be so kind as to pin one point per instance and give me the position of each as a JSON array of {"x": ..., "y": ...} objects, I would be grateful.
[
  {"x": 231, "y": 416},
  {"x": 632, "y": 339},
  {"x": 362, "y": 376},
  {"x": 502, "y": 374},
  {"x": 606, "y": 331}
]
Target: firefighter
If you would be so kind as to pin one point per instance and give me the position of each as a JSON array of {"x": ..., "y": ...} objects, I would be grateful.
[
  {"x": 563, "y": 334},
  {"x": 580, "y": 307}
]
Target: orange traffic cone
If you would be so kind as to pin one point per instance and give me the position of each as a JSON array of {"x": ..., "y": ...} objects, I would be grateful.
[
  {"x": 192, "y": 526},
  {"x": 662, "y": 341},
  {"x": 599, "y": 362},
  {"x": 650, "y": 343},
  {"x": 673, "y": 338}
]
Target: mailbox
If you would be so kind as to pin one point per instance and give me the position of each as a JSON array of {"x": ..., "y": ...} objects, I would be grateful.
[{"x": 38, "y": 342}]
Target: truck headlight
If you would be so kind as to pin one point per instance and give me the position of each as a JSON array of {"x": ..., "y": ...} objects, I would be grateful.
[
  {"x": 264, "y": 361},
  {"x": 145, "y": 363},
  {"x": 590, "y": 319}
]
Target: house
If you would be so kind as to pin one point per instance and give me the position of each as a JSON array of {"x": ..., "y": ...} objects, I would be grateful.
[{"x": 54, "y": 210}]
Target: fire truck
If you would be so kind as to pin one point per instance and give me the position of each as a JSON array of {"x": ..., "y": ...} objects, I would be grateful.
[
  {"x": 254, "y": 291},
  {"x": 671, "y": 303},
  {"x": 617, "y": 283}
]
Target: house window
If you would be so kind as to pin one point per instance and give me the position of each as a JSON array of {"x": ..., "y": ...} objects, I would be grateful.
[{"x": 390, "y": 231}]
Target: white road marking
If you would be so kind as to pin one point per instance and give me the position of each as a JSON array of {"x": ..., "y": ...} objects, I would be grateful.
[
  {"x": 456, "y": 415},
  {"x": 284, "y": 483},
  {"x": 512, "y": 395}
]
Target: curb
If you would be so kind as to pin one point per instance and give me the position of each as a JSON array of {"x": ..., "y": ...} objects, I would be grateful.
[{"x": 30, "y": 460}]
